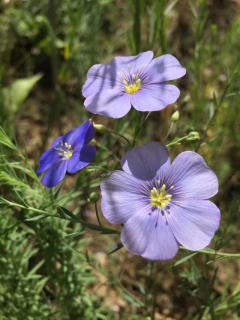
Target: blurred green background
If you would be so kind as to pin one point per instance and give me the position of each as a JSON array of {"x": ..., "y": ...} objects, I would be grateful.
[{"x": 53, "y": 268}]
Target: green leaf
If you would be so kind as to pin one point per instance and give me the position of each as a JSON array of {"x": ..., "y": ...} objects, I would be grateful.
[
  {"x": 66, "y": 214},
  {"x": 5, "y": 140},
  {"x": 18, "y": 91},
  {"x": 41, "y": 216},
  {"x": 184, "y": 259},
  {"x": 118, "y": 247}
]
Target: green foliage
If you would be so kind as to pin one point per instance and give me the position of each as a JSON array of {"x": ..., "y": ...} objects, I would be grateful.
[
  {"x": 21, "y": 284},
  {"x": 17, "y": 92},
  {"x": 44, "y": 273},
  {"x": 49, "y": 250}
]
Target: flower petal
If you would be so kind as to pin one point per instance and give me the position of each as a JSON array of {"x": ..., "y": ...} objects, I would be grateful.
[
  {"x": 123, "y": 196},
  {"x": 164, "y": 68},
  {"x": 98, "y": 71},
  {"x": 111, "y": 103},
  {"x": 148, "y": 235},
  {"x": 154, "y": 97},
  {"x": 99, "y": 77},
  {"x": 47, "y": 159},
  {"x": 143, "y": 162},
  {"x": 132, "y": 62},
  {"x": 56, "y": 141},
  {"x": 55, "y": 174},
  {"x": 191, "y": 177},
  {"x": 80, "y": 136},
  {"x": 194, "y": 222},
  {"x": 94, "y": 86},
  {"x": 80, "y": 160}
]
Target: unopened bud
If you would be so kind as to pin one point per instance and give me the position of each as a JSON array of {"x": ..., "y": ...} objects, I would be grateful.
[
  {"x": 100, "y": 127},
  {"x": 94, "y": 197},
  {"x": 175, "y": 116},
  {"x": 193, "y": 135}
]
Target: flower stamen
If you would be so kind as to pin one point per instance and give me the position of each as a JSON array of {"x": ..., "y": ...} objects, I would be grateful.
[
  {"x": 132, "y": 87},
  {"x": 159, "y": 197},
  {"x": 65, "y": 150}
]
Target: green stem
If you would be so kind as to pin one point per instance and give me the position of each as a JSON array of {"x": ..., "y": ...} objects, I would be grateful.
[
  {"x": 139, "y": 125},
  {"x": 176, "y": 141},
  {"x": 64, "y": 214},
  {"x": 215, "y": 253},
  {"x": 162, "y": 26},
  {"x": 119, "y": 135},
  {"x": 97, "y": 214},
  {"x": 137, "y": 4},
  {"x": 18, "y": 205},
  {"x": 149, "y": 300},
  {"x": 101, "y": 128},
  {"x": 169, "y": 131}
]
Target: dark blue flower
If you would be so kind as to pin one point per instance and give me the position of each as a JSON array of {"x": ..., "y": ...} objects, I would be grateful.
[{"x": 67, "y": 154}]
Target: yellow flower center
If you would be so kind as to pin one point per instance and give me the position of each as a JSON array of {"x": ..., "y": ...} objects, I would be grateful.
[
  {"x": 159, "y": 197},
  {"x": 65, "y": 150},
  {"x": 132, "y": 87}
]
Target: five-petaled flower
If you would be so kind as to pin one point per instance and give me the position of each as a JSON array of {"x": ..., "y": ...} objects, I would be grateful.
[
  {"x": 162, "y": 204},
  {"x": 67, "y": 154},
  {"x": 140, "y": 81}
]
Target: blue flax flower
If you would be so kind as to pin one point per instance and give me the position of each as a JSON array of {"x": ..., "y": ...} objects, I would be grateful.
[
  {"x": 162, "y": 204},
  {"x": 67, "y": 154},
  {"x": 139, "y": 81}
]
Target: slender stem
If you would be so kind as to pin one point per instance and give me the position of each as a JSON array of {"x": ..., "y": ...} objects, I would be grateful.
[
  {"x": 103, "y": 147},
  {"x": 102, "y": 128},
  {"x": 118, "y": 247},
  {"x": 176, "y": 141},
  {"x": 120, "y": 135},
  {"x": 169, "y": 131},
  {"x": 67, "y": 216},
  {"x": 149, "y": 296},
  {"x": 97, "y": 214},
  {"x": 137, "y": 25},
  {"x": 52, "y": 5},
  {"x": 137, "y": 128},
  {"x": 153, "y": 301},
  {"x": 18, "y": 205},
  {"x": 148, "y": 114},
  {"x": 216, "y": 253},
  {"x": 162, "y": 26}
]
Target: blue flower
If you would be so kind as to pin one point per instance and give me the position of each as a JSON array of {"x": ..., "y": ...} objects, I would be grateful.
[
  {"x": 139, "y": 81},
  {"x": 162, "y": 204},
  {"x": 67, "y": 154}
]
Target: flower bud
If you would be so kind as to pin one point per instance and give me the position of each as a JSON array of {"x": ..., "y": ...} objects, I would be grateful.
[
  {"x": 175, "y": 116},
  {"x": 93, "y": 197},
  {"x": 192, "y": 136},
  {"x": 100, "y": 127}
]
